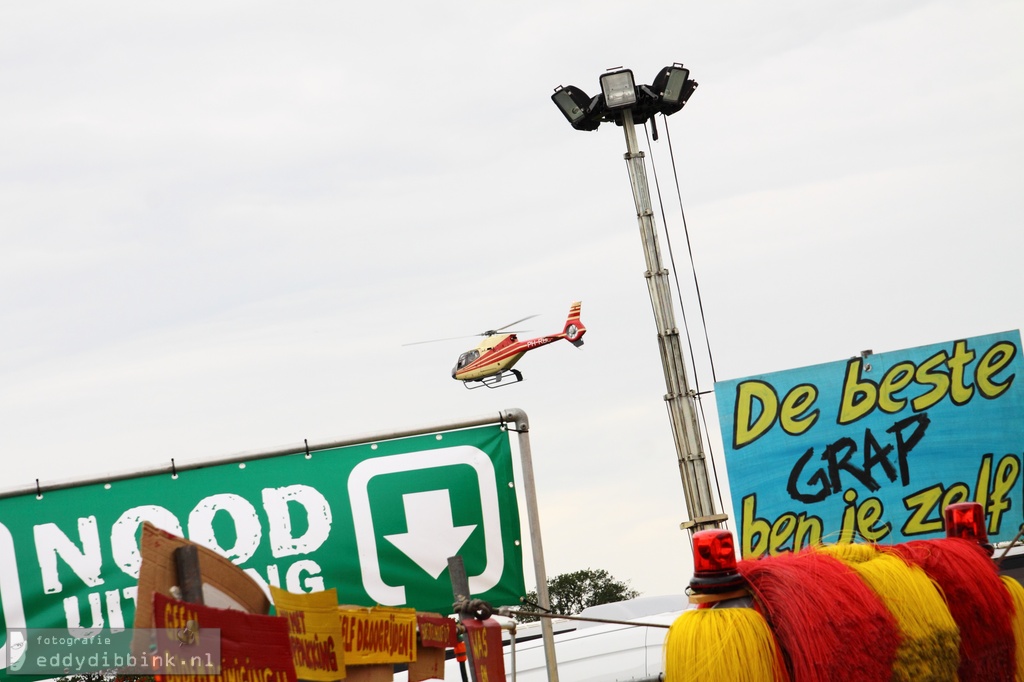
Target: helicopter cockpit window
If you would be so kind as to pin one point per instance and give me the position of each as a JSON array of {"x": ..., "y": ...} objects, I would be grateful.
[{"x": 466, "y": 358}]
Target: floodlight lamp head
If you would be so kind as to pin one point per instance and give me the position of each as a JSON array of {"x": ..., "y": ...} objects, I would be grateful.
[
  {"x": 619, "y": 89},
  {"x": 576, "y": 106},
  {"x": 571, "y": 101},
  {"x": 673, "y": 87}
]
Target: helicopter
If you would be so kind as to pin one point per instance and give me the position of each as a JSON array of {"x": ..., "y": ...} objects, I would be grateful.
[{"x": 491, "y": 363}]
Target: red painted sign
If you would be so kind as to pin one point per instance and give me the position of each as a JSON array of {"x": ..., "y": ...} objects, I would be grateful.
[
  {"x": 253, "y": 648},
  {"x": 437, "y": 631},
  {"x": 485, "y": 649}
]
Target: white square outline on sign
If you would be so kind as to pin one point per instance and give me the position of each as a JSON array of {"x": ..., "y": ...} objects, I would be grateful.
[{"x": 366, "y": 541}]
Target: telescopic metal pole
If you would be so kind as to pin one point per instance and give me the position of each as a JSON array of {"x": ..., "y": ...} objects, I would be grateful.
[{"x": 679, "y": 399}]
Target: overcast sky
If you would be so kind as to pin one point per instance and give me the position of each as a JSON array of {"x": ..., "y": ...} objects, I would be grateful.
[{"x": 221, "y": 221}]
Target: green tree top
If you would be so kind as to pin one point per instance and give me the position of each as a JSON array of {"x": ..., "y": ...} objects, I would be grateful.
[{"x": 570, "y": 593}]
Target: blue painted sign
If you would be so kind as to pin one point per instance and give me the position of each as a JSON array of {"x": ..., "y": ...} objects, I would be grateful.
[{"x": 874, "y": 447}]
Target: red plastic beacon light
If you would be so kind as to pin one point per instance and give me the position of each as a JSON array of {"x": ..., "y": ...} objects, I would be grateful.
[
  {"x": 967, "y": 520},
  {"x": 714, "y": 562}
]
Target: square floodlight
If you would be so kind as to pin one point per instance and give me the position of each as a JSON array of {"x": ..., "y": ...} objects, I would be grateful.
[
  {"x": 670, "y": 83},
  {"x": 572, "y": 102},
  {"x": 619, "y": 89},
  {"x": 673, "y": 87}
]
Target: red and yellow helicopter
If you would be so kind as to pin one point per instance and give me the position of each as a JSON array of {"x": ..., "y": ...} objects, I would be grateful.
[{"x": 492, "y": 361}]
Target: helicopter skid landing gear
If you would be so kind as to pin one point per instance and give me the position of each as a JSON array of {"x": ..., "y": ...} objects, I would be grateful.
[{"x": 496, "y": 380}]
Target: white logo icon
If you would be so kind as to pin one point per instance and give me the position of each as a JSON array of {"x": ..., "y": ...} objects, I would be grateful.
[{"x": 431, "y": 535}]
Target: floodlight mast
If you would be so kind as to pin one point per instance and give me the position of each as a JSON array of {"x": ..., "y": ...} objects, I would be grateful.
[{"x": 679, "y": 399}]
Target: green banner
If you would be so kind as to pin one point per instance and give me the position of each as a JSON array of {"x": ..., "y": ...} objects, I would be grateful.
[{"x": 376, "y": 521}]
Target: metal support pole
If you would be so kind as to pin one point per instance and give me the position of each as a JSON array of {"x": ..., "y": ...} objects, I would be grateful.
[
  {"x": 518, "y": 417},
  {"x": 460, "y": 592},
  {"x": 700, "y": 501}
]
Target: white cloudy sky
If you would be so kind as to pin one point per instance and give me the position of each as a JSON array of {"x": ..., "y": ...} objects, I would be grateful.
[{"x": 220, "y": 221}]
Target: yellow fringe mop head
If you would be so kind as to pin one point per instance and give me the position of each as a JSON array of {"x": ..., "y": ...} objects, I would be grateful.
[
  {"x": 714, "y": 641},
  {"x": 731, "y": 644},
  {"x": 930, "y": 646},
  {"x": 977, "y": 600}
]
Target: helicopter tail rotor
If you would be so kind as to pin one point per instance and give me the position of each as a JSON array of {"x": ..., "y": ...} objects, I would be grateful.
[{"x": 574, "y": 327}]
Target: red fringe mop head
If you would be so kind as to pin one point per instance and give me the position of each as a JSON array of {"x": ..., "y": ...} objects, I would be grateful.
[
  {"x": 930, "y": 647},
  {"x": 714, "y": 642},
  {"x": 1017, "y": 596},
  {"x": 829, "y": 624},
  {"x": 977, "y": 599}
]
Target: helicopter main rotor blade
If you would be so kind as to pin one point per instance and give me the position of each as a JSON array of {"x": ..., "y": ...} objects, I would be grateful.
[
  {"x": 528, "y": 317},
  {"x": 450, "y": 338},
  {"x": 490, "y": 332}
]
